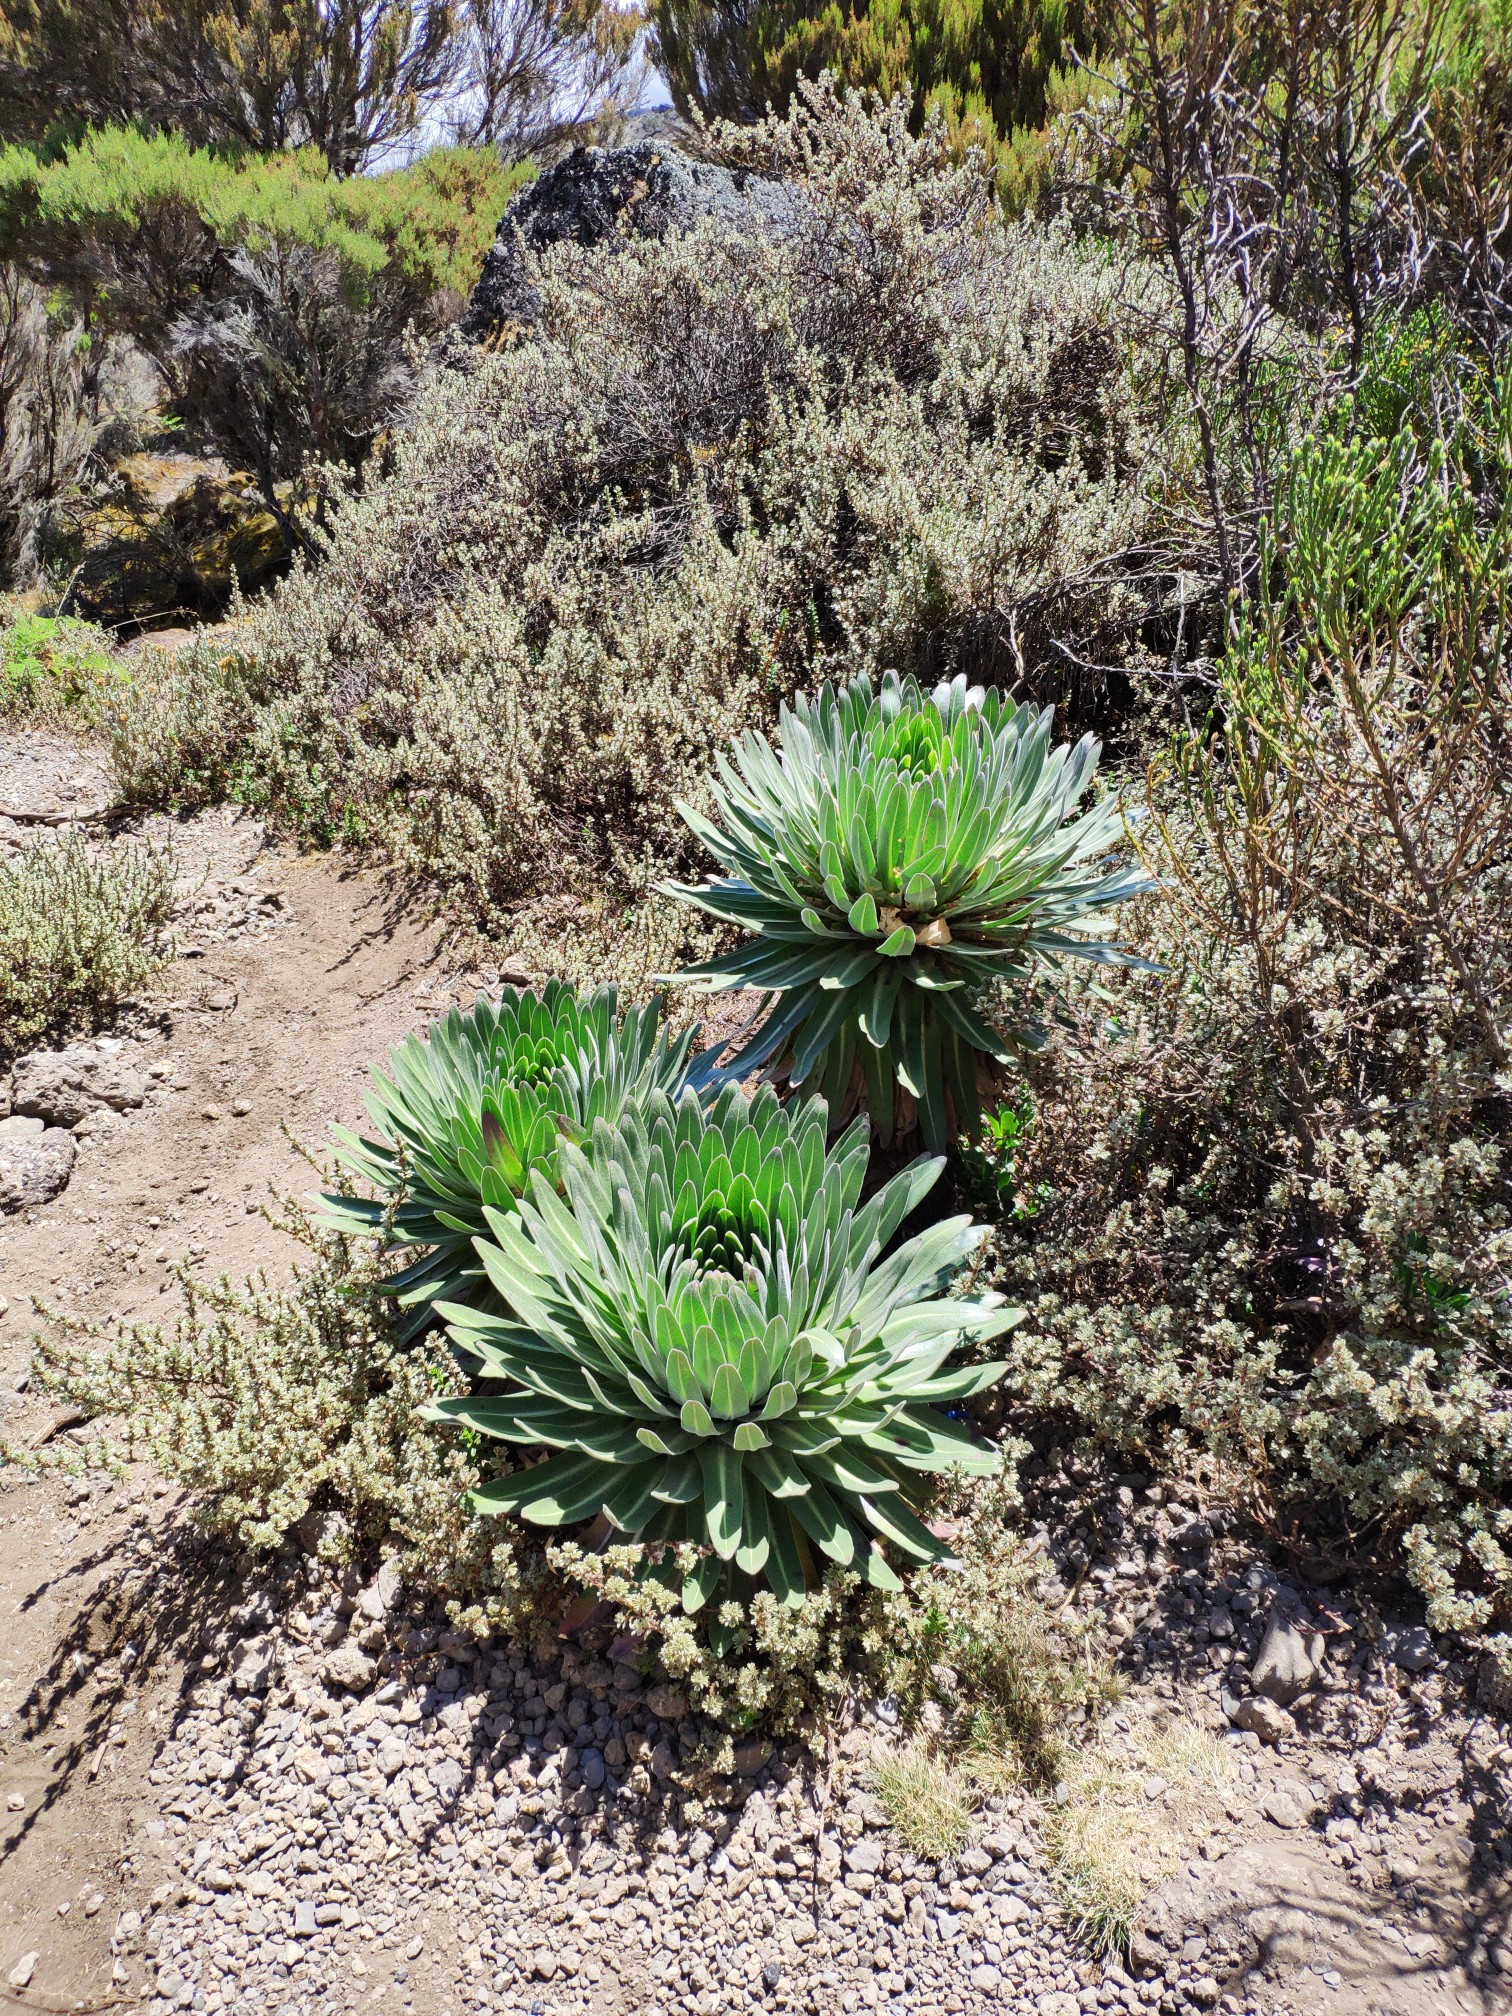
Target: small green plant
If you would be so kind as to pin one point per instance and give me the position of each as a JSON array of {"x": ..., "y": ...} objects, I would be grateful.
[
  {"x": 1418, "y": 1275},
  {"x": 706, "y": 1335},
  {"x": 78, "y": 932},
  {"x": 466, "y": 1112},
  {"x": 995, "y": 1162},
  {"x": 904, "y": 853},
  {"x": 51, "y": 663}
]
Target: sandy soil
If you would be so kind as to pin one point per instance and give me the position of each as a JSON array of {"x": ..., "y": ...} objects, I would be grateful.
[{"x": 258, "y": 1034}]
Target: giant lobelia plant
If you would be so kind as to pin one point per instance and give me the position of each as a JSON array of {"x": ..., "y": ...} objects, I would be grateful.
[
  {"x": 904, "y": 853},
  {"x": 467, "y": 1112},
  {"x": 704, "y": 1333}
]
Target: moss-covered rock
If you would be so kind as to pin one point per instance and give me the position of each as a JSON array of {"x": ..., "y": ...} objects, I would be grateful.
[{"x": 175, "y": 535}]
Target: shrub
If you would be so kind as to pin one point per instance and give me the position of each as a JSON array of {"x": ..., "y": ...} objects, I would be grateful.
[
  {"x": 722, "y": 469},
  {"x": 1277, "y": 1230},
  {"x": 743, "y": 1662},
  {"x": 53, "y": 665},
  {"x": 355, "y": 80},
  {"x": 902, "y": 855},
  {"x": 707, "y": 1337},
  {"x": 267, "y": 1401},
  {"x": 990, "y": 1678},
  {"x": 273, "y": 299},
  {"x": 79, "y": 930},
  {"x": 470, "y": 1111},
  {"x": 976, "y": 1653}
]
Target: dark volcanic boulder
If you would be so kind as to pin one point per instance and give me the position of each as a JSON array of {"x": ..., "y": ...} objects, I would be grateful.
[{"x": 651, "y": 189}]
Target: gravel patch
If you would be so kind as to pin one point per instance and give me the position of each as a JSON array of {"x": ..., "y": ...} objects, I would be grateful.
[{"x": 479, "y": 1830}]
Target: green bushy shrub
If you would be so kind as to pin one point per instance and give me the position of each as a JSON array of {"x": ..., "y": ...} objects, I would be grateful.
[
  {"x": 143, "y": 218},
  {"x": 903, "y": 855},
  {"x": 80, "y": 929},
  {"x": 467, "y": 1113},
  {"x": 49, "y": 423},
  {"x": 61, "y": 394},
  {"x": 274, "y": 299},
  {"x": 722, "y": 469},
  {"x": 969, "y": 1649}
]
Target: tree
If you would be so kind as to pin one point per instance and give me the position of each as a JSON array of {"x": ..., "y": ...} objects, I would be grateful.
[
  {"x": 272, "y": 296},
  {"x": 357, "y": 79},
  {"x": 537, "y": 70},
  {"x": 48, "y": 421},
  {"x": 989, "y": 66}
]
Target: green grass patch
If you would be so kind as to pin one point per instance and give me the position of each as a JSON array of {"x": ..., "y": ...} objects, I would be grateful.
[{"x": 53, "y": 665}]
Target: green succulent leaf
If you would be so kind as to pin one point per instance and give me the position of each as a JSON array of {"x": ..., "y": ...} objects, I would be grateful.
[{"x": 696, "y": 1418}]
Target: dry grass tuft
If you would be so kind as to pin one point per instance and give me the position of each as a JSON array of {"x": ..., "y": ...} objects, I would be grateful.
[
  {"x": 1115, "y": 1834},
  {"x": 929, "y": 1802}
]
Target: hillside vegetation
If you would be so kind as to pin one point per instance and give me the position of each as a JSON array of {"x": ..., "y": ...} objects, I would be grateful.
[
  {"x": 1249, "y": 1190},
  {"x": 764, "y": 553}
]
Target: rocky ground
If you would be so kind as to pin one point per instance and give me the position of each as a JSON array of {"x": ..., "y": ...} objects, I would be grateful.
[{"x": 249, "y": 1786}]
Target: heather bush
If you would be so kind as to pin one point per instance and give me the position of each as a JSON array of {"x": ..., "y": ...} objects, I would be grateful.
[
  {"x": 970, "y": 1648},
  {"x": 992, "y": 74},
  {"x": 1271, "y": 1227},
  {"x": 354, "y": 82},
  {"x": 80, "y": 929},
  {"x": 720, "y": 469}
]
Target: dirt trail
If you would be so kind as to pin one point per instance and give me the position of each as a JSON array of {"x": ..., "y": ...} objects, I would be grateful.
[{"x": 278, "y": 1025}]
